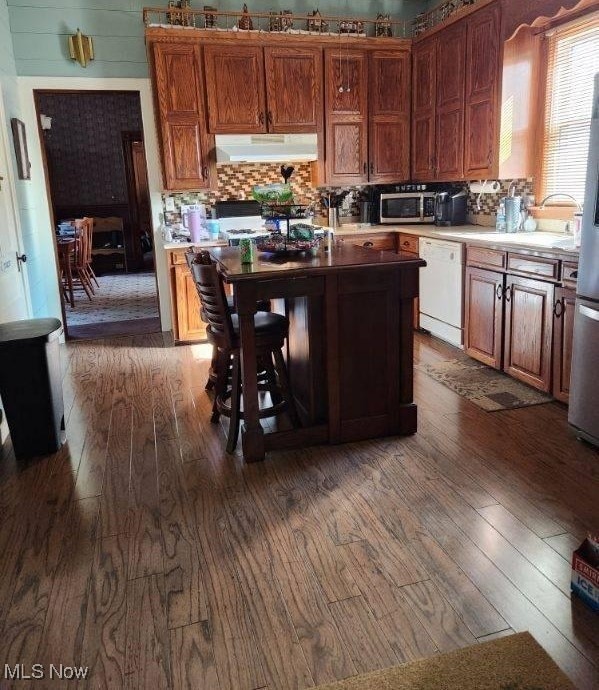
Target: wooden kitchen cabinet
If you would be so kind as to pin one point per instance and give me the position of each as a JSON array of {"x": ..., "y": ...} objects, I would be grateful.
[
  {"x": 481, "y": 113},
  {"x": 528, "y": 331},
  {"x": 449, "y": 132},
  {"x": 483, "y": 324},
  {"x": 236, "y": 90},
  {"x": 185, "y": 304},
  {"x": 411, "y": 244},
  {"x": 424, "y": 98},
  {"x": 379, "y": 240},
  {"x": 563, "y": 332},
  {"x": 186, "y": 146},
  {"x": 389, "y": 115},
  {"x": 293, "y": 89},
  {"x": 346, "y": 116}
]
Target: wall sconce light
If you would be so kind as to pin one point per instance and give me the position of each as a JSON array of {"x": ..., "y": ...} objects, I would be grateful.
[{"x": 81, "y": 48}]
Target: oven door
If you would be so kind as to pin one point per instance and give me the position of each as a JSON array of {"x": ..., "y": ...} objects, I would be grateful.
[{"x": 401, "y": 208}]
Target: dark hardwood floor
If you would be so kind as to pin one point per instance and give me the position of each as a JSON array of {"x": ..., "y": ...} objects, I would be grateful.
[{"x": 142, "y": 551}]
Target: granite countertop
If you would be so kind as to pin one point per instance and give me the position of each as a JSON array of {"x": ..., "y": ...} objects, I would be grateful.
[
  {"x": 185, "y": 245},
  {"x": 553, "y": 242}
]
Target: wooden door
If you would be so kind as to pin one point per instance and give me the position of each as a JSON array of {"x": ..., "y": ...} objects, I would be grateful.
[
  {"x": 346, "y": 109},
  {"x": 424, "y": 96},
  {"x": 186, "y": 146},
  {"x": 235, "y": 89},
  {"x": 563, "y": 332},
  {"x": 293, "y": 89},
  {"x": 449, "y": 135},
  {"x": 389, "y": 115},
  {"x": 528, "y": 331},
  {"x": 483, "y": 71},
  {"x": 189, "y": 325},
  {"x": 483, "y": 328}
]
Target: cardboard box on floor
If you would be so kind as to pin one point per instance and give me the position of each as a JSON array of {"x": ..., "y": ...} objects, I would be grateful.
[{"x": 585, "y": 572}]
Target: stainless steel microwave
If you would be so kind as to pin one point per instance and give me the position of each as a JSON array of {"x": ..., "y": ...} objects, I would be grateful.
[{"x": 408, "y": 207}]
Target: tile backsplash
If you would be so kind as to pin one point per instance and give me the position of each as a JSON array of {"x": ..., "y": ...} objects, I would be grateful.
[{"x": 490, "y": 202}]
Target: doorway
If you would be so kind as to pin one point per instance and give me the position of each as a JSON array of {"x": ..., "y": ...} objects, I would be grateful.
[{"x": 93, "y": 148}]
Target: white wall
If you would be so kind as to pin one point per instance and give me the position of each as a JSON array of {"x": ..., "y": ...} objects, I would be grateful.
[{"x": 34, "y": 202}]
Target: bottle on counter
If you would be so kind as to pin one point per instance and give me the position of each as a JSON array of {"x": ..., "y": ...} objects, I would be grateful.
[{"x": 500, "y": 223}]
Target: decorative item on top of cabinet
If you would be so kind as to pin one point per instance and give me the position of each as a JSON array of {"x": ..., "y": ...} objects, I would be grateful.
[
  {"x": 187, "y": 148},
  {"x": 317, "y": 23},
  {"x": 210, "y": 20},
  {"x": 245, "y": 21},
  {"x": 563, "y": 333},
  {"x": 382, "y": 26}
]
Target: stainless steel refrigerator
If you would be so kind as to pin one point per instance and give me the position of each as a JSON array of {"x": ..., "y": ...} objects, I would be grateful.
[{"x": 584, "y": 384}]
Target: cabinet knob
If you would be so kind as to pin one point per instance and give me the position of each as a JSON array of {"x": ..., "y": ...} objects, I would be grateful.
[
  {"x": 509, "y": 293},
  {"x": 269, "y": 117},
  {"x": 205, "y": 172},
  {"x": 368, "y": 244},
  {"x": 365, "y": 168},
  {"x": 499, "y": 291},
  {"x": 558, "y": 308},
  {"x": 371, "y": 168},
  {"x": 261, "y": 118}
]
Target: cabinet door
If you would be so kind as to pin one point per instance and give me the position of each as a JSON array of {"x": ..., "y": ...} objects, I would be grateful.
[
  {"x": 424, "y": 89},
  {"x": 389, "y": 115},
  {"x": 449, "y": 136},
  {"x": 482, "y": 85},
  {"x": 563, "y": 332},
  {"x": 294, "y": 89},
  {"x": 235, "y": 88},
  {"x": 189, "y": 325},
  {"x": 178, "y": 84},
  {"x": 483, "y": 330},
  {"x": 528, "y": 331},
  {"x": 346, "y": 117}
]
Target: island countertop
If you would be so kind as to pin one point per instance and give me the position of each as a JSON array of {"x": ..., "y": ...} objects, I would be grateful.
[{"x": 350, "y": 343}]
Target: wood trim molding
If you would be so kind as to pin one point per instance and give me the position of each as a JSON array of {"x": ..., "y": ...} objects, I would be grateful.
[
  {"x": 452, "y": 19},
  {"x": 540, "y": 13}
]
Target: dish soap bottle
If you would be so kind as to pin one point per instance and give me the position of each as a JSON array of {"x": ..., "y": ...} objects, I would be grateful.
[
  {"x": 500, "y": 223},
  {"x": 530, "y": 224}
]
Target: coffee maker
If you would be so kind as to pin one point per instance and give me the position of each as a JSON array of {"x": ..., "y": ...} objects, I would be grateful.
[{"x": 450, "y": 208}]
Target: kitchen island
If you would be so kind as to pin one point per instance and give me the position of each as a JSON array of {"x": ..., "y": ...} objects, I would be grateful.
[{"x": 350, "y": 345}]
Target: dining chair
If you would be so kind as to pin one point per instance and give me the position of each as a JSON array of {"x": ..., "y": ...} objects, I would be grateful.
[
  {"x": 66, "y": 251},
  {"x": 271, "y": 330},
  {"x": 80, "y": 275},
  {"x": 88, "y": 259}
]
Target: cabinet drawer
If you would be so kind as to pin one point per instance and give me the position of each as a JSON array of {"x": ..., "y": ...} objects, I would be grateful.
[
  {"x": 486, "y": 258},
  {"x": 379, "y": 241},
  {"x": 409, "y": 243},
  {"x": 178, "y": 257},
  {"x": 569, "y": 273},
  {"x": 534, "y": 266}
]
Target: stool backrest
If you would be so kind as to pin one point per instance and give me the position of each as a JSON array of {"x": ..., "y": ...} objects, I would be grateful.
[{"x": 211, "y": 291}]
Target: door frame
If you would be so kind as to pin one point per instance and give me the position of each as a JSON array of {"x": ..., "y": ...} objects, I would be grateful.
[
  {"x": 13, "y": 198},
  {"x": 27, "y": 87}
]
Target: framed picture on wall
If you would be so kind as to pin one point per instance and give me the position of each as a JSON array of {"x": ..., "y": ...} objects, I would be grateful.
[{"x": 20, "y": 140}]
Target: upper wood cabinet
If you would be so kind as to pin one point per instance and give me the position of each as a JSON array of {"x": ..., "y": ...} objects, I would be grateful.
[
  {"x": 236, "y": 89},
  {"x": 346, "y": 114},
  {"x": 255, "y": 89},
  {"x": 424, "y": 99},
  {"x": 367, "y": 111},
  {"x": 187, "y": 149},
  {"x": 389, "y": 116},
  {"x": 293, "y": 89},
  {"x": 483, "y": 73}
]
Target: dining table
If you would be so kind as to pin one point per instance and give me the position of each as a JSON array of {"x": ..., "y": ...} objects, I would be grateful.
[{"x": 349, "y": 351}]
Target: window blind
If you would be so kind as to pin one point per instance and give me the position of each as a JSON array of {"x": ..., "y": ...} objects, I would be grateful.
[{"x": 573, "y": 60}]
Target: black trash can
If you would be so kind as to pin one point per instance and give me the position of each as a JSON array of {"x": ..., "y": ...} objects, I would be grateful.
[{"x": 31, "y": 385}]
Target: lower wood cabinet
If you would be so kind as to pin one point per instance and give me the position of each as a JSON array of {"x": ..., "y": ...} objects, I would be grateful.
[
  {"x": 563, "y": 332},
  {"x": 188, "y": 327},
  {"x": 509, "y": 324},
  {"x": 379, "y": 240},
  {"x": 483, "y": 323},
  {"x": 528, "y": 331}
]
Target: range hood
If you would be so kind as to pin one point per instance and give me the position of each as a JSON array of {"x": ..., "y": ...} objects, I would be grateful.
[{"x": 265, "y": 148}]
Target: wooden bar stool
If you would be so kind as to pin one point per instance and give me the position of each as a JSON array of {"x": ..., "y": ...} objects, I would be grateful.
[
  {"x": 263, "y": 305},
  {"x": 66, "y": 251},
  {"x": 223, "y": 331}
]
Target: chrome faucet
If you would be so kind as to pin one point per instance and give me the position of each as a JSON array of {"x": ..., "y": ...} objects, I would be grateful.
[{"x": 560, "y": 194}]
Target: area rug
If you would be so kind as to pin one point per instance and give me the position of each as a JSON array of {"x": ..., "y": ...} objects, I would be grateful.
[
  {"x": 489, "y": 389},
  {"x": 516, "y": 662}
]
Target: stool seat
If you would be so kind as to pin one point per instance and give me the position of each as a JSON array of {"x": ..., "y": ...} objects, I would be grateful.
[{"x": 264, "y": 322}]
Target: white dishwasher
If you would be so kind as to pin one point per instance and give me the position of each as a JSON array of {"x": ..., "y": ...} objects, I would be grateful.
[{"x": 441, "y": 301}]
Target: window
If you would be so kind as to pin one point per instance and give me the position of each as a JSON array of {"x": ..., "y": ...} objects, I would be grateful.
[{"x": 573, "y": 60}]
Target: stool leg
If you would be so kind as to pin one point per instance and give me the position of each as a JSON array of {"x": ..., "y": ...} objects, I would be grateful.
[
  {"x": 275, "y": 392},
  {"x": 281, "y": 369},
  {"x": 235, "y": 404},
  {"x": 213, "y": 369},
  {"x": 222, "y": 377}
]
